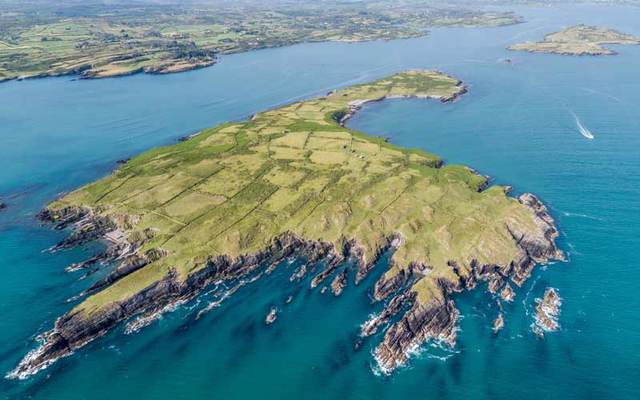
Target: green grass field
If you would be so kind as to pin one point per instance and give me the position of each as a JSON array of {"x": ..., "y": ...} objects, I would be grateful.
[
  {"x": 102, "y": 41},
  {"x": 232, "y": 189}
]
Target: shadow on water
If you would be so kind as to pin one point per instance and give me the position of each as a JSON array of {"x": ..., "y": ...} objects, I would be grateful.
[
  {"x": 454, "y": 366},
  {"x": 540, "y": 348},
  {"x": 246, "y": 330},
  {"x": 442, "y": 389},
  {"x": 339, "y": 356}
]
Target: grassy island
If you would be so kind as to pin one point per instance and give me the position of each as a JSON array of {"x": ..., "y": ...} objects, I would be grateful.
[
  {"x": 579, "y": 40},
  {"x": 295, "y": 181}
]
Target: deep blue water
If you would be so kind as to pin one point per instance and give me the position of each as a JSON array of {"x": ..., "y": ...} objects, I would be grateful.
[{"x": 515, "y": 124}]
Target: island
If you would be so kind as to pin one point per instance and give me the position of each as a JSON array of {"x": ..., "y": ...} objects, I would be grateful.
[
  {"x": 239, "y": 199},
  {"x": 579, "y": 40},
  {"x": 98, "y": 40}
]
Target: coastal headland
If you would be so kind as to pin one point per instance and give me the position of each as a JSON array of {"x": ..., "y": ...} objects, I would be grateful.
[{"x": 236, "y": 200}]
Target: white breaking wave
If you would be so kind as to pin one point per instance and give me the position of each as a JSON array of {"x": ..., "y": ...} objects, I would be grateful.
[{"x": 583, "y": 129}]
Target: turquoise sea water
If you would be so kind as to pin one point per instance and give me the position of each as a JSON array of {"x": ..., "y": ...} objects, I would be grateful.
[{"x": 515, "y": 124}]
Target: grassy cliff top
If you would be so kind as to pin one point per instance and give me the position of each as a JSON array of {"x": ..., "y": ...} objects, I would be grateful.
[
  {"x": 579, "y": 40},
  {"x": 232, "y": 189}
]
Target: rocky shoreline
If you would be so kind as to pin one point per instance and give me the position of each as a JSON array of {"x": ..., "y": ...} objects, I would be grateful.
[
  {"x": 498, "y": 323},
  {"x": 435, "y": 320},
  {"x": 77, "y": 328}
]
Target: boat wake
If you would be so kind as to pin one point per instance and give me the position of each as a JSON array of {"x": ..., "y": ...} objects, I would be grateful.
[
  {"x": 610, "y": 96},
  {"x": 578, "y": 215},
  {"x": 584, "y": 131}
]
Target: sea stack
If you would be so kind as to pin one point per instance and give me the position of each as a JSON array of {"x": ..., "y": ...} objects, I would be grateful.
[
  {"x": 498, "y": 323},
  {"x": 271, "y": 317},
  {"x": 547, "y": 312}
]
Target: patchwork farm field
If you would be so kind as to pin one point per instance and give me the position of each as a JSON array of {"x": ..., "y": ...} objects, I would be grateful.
[
  {"x": 231, "y": 190},
  {"x": 97, "y": 41}
]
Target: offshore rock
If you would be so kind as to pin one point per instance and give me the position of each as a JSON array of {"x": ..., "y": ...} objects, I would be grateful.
[
  {"x": 299, "y": 273},
  {"x": 498, "y": 323},
  {"x": 271, "y": 316},
  {"x": 329, "y": 269},
  {"x": 339, "y": 283},
  {"x": 507, "y": 294},
  {"x": 547, "y": 313}
]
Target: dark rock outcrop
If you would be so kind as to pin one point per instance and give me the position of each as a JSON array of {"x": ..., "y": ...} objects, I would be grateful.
[
  {"x": 498, "y": 323},
  {"x": 121, "y": 248},
  {"x": 385, "y": 286},
  {"x": 64, "y": 217},
  {"x": 547, "y": 312},
  {"x": 435, "y": 320},
  {"x": 130, "y": 264},
  {"x": 339, "y": 283},
  {"x": 428, "y": 318},
  {"x": 507, "y": 294},
  {"x": 365, "y": 266},
  {"x": 394, "y": 306},
  {"x": 78, "y": 327},
  {"x": 299, "y": 273},
  {"x": 271, "y": 316}
]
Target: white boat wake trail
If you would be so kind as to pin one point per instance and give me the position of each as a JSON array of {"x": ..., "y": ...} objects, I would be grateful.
[{"x": 583, "y": 129}]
